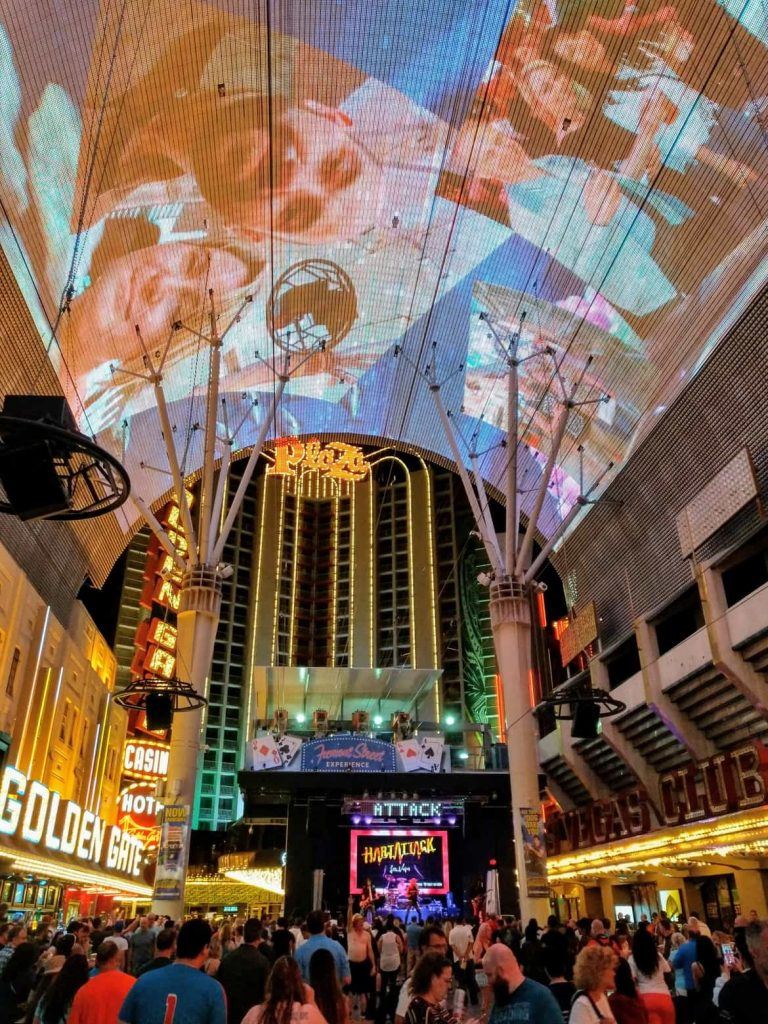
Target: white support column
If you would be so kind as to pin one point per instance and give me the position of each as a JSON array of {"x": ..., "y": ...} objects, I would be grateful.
[
  {"x": 511, "y": 622},
  {"x": 197, "y": 624},
  {"x": 513, "y": 508}
]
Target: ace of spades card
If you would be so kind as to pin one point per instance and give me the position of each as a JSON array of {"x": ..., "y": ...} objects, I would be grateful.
[{"x": 431, "y": 753}]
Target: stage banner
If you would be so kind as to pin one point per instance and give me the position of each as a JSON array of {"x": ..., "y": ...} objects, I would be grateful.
[
  {"x": 170, "y": 857},
  {"x": 347, "y": 753},
  {"x": 535, "y": 851}
]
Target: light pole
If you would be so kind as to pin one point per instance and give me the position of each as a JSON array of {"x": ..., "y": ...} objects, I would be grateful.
[
  {"x": 200, "y": 568},
  {"x": 512, "y": 579}
]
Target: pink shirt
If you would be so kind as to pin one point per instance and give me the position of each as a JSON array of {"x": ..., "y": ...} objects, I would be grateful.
[{"x": 300, "y": 1014}]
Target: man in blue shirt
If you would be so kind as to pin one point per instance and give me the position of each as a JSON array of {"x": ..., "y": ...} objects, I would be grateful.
[
  {"x": 318, "y": 940},
  {"x": 180, "y": 993},
  {"x": 515, "y": 997}
]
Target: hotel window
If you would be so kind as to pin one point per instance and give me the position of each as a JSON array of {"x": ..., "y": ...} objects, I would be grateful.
[
  {"x": 64, "y": 727},
  {"x": 14, "y": 668},
  {"x": 72, "y": 728},
  {"x": 84, "y": 739},
  {"x": 111, "y": 761}
]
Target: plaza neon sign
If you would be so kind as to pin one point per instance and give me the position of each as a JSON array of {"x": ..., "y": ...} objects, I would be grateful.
[
  {"x": 42, "y": 817},
  {"x": 336, "y": 459}
]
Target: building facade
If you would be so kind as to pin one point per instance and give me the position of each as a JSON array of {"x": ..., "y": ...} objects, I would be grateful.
[
  {"x": 345, "y": 560},
  {"x": 61, "y": 747},
  {"x": 675, "y": 565}
]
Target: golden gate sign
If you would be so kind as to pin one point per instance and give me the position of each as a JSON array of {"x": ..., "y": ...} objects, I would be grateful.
[{"x": 336, "y": 459}]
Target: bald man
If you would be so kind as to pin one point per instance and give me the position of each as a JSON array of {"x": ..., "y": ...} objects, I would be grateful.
[{"x": 515, "y": 997}]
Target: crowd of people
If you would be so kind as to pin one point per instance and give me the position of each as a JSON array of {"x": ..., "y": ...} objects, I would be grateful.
[{"x": 322, "y": 971}]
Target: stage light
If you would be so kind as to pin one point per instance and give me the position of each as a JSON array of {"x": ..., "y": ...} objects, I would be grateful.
[
  {"x": 463, "y": 755},
  {"x": 378, "y": 720},
  {"x": 437, "y": 819},
  {"x": 452, "y": 820},
  {"x": 356, "y": 819},
  {"x": 450, "y": 720},
  {"x": 301, "y": 718},
  {"x": 368, "y": 819},
  {"x": 360, "y": 721}
]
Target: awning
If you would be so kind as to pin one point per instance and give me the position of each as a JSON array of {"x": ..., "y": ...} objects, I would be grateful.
[
  {"x": 62, "y": 871},
  {"x": 682, "y": 848}
]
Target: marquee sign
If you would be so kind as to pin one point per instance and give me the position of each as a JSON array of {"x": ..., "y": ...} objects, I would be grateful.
[
  {"x": 336, "y": 459},
  {"x": 40, "y": 816},
  {"x": 735, "y": 780},
  {"x": 437, "y": 811}
]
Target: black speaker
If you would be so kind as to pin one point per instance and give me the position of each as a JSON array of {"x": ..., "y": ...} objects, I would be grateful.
[
  {"x": 159, "y": 711},
  {"x": 49, "y": 408},
  {"x": 31, "y": 483},
  {"x": 27, "y": 467},
  {"x": 585, "y": 720},
  {"x": 499, "y": 760}
]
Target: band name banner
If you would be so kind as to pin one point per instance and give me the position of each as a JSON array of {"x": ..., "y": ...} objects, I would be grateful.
[
  {"x": 40, "y": 816},
  {"x": 169, "y": 879},
  {"x": 725, "y": 783},
  {"x": 534, "y": 851},
  {"x": 391, "y": 858},
  {"x": 347, "y": 753}
]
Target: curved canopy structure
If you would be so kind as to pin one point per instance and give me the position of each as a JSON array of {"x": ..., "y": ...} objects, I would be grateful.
[{"x": 364, "y": 180}]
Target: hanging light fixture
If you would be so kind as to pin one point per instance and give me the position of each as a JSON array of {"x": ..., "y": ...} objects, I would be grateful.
[{"x": 160, "y": 699}]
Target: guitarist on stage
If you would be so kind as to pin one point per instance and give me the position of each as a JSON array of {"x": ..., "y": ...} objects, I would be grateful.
[{"x": 367, "y": 897}]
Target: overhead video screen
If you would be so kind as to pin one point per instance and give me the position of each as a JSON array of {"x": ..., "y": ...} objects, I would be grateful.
[
  {"x": 591, "y": 175},
  {"x": 391, "y": 858}
]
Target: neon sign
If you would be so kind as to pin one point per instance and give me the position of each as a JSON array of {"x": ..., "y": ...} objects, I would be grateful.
[
  {"x": 41, "y": 816},
  {"x": 139, "y": 808},
  {"x": 336, "y": 459},
  {"x": 143, "y": 759}
]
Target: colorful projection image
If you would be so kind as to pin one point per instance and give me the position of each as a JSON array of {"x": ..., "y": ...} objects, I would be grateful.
[{"x": 362, "y": 180}]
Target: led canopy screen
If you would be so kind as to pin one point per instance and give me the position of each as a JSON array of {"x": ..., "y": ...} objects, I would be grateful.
[
  {"x": 392, "y": 858},
  {"x": 376, "y": 175}
]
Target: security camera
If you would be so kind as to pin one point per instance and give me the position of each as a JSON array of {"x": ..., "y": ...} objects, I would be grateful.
[
  {"x": 226, "y": 572},
  {"x": 485, "y": 579},
  {"x": 540, "y": 586}
]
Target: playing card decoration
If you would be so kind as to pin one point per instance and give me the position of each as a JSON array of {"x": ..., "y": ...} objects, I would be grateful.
[
  {"x": 265, "y": 753},
  {"x": 409, "y": 752},
  {"x": 289, "y": 746},
  {"x": 431, "y": 753}
]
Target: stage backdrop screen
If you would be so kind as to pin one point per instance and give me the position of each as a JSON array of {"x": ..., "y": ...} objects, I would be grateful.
[{"x": 392, "y": 857}]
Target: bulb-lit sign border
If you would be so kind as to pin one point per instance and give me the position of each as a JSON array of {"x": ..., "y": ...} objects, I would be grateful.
[
  {"x": 40, "y": 816},
  {"x": 336, "y": 459}
]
